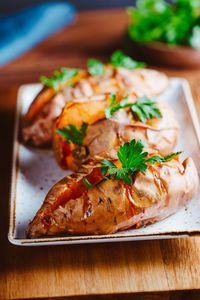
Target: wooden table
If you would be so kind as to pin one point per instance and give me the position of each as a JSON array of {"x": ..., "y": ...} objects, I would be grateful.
[{"x": 60, "y": 271}]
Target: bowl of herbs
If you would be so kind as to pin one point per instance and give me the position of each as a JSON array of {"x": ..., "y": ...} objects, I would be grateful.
[{"x": 165, "y": 33}]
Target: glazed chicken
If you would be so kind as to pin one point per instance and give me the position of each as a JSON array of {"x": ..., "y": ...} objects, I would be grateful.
[
  {"x": 104, "y": 134},
  {"x": 112, "y": 205},
  {"x": 48, "y": 104}
]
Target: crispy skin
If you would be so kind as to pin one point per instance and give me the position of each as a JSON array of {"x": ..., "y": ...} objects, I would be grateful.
[
  {"x": 113, "y": 205},
  {"x": 103, "y": 135},
  {"x": 48, "y": 104}
]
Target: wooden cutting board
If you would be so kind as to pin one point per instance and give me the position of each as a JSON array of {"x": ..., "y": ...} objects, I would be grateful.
[{"x": 84, "y": 269}]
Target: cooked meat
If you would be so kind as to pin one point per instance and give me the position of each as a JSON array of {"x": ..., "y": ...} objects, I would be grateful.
[
  {"x": 48, "y": 104},
  {"x": 114, "y": 205},
  {"x": 102, "y": 135}
]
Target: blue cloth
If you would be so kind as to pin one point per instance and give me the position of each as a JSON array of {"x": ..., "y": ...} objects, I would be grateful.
[{"x": 21, "y": 31}]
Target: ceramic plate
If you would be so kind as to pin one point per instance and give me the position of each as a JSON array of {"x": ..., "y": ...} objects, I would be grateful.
[{"x": 34, "y": 171}]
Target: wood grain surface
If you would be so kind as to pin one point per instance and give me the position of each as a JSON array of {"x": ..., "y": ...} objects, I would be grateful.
[{"x": 58, "y": 271}]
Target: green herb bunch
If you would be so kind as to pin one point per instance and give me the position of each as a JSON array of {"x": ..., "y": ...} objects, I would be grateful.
[{"x": 176, "y": 24}]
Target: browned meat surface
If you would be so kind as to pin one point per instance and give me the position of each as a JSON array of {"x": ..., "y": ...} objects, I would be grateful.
[
  {"x": 113, "y": 205},
  {"x": 47, "y": 106}
]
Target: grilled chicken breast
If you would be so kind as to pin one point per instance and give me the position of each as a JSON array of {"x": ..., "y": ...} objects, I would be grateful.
[
  {"x": 113, "y": 205},
  {"x": 104, "y": 134},
  {"x": 48, "y": 104}
]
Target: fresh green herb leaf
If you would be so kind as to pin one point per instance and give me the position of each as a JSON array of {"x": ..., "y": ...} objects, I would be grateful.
[
  {"x": 112, "y": 99},
  {"x": 59, "y": 77},
  {"x": 104, "y": 170},
  {"x": 144, "y": 108},
  {"x": 88, "y": 185},
  {"x": 154, "y": 159},
  {"x": 121, "y": 174},
  {"x": 109, "y": 111},
  {"x": 119, "y": 59},
  {"x": 170, "y": 156},
  {"x": 161, "y": 159},
  {"x": 107, "y": 163},
  {"x": 95, "y": 67},
  {"x": 72, "y": 134},
  {"x": 132, "y": 159}
]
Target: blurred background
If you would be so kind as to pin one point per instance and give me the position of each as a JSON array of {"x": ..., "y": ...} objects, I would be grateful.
[
  {"x": 13, "y": 5},
  {"x": 153, "y": 31}
]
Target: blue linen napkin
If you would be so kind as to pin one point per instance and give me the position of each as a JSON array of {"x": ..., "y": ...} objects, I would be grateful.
[{"x": 21, "y": 31}]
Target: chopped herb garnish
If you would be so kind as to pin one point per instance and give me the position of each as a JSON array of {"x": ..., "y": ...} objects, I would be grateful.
[
  {"x": 133, "y": 160},
  {"x": 144, "y": 108},
  {"x": 59, "y": 77},
  {"x": 119, "y": 59},
  {"x": 95, "y": 67},
  {"x": 72, "y": 134}
]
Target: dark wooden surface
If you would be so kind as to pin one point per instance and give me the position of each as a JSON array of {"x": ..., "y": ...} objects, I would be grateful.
[{"x": 158, "y": 267}]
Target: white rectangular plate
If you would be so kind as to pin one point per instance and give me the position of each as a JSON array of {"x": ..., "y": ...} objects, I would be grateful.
[{"x": 34, "y": 172}]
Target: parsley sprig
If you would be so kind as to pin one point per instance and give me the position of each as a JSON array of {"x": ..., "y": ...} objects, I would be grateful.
[
  {"x": 95, "y": 67},
  {"x": 112, "y": 108},
  {"x": 59, "y": 77},
  {"x": 144, "y": 108},
  {"x": 132, "y": 159},
  {"x": 72, "y": 134},
  {"x": 119, "y": 59}
]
